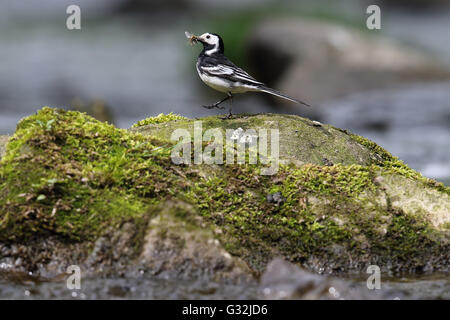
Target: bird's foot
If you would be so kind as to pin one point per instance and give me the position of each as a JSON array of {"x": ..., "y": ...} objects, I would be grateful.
[
  {"x": 229, "y": 116},
  {"x": 213, "y": 106}
]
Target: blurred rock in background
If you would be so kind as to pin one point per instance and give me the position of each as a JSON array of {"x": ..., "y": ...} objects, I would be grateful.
[
  {"x": 319, "y": 61},
  {"x": 96, "y": 108},
  {"x": 284, "y": 280},
  {"x": 416, "y": 5},
  {"x": 153, "y": 6}
]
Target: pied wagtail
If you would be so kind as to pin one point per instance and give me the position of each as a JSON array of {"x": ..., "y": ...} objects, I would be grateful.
[{"x": 219, "y": 73}]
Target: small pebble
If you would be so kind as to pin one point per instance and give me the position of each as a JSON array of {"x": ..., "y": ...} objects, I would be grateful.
[{"x": 276, "y": 197}]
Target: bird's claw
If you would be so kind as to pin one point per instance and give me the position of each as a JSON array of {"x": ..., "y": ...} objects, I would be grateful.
[{"x": 229, "y": 116}]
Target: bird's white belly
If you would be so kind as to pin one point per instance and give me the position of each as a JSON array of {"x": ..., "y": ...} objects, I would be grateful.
[
  {"x": 223, "y": 85},
  {"x": 215, "y": 83}
]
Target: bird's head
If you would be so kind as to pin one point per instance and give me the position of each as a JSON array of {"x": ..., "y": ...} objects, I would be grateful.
[{"x": 212, "y": 43}]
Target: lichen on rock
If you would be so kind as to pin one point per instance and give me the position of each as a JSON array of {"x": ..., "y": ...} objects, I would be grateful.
[
  {"x": 161, "y": 118},
  {"x": 70, "y": 178}
]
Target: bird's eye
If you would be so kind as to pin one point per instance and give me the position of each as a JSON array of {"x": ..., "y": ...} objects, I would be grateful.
[{"x": 207, "y": 37}]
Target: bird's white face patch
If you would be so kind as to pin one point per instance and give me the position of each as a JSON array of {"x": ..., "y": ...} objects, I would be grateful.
[{"x": 210, "y": 39}]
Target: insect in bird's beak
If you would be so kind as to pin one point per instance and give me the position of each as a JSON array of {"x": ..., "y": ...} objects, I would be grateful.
[{"x": 193, "y": 39}]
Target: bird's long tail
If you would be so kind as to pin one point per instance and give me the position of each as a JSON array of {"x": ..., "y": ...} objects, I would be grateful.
[{"x": 279, "y": 94}]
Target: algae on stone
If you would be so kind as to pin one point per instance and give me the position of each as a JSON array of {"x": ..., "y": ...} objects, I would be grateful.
[
  {"x": 161, "y": 118},
  {"x": 67, "y": 174}
]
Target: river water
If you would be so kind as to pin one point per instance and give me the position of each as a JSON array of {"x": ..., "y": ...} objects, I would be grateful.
[
  {"x": 412, "y": 122},
  {"x": 26, "y": 287}
]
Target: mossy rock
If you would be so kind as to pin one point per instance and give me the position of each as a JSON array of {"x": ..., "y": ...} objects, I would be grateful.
[
  {"x": 345, "y": 202},
  {"x": 301, "y": 140}
]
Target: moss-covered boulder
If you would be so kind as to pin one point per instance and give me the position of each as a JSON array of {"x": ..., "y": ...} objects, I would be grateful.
[{"x": 74, "y": 190}]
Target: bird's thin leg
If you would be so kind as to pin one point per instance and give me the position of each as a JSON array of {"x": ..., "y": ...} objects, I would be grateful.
[
  {"x": 216, "y": 105},
  {"x": 231, "y": 106}
]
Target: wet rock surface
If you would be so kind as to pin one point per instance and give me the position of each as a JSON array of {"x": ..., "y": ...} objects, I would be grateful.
[
  {"x": 96, "y": 108},
  {"x": 276, "y": 198},
  {"x": 283, "y": 280},
  {"x": 171, "y": 248}
]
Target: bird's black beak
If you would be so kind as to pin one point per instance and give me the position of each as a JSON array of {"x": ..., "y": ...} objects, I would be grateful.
[
  {"x": 196, "y": 39},
  {"x": 193, "y": 39}
]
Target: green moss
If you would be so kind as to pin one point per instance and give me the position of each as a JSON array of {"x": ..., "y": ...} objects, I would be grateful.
[
  {"x": 161, "y": 118},
  {"x": 393, "y": 165},
  {"x": 334, "y": 180},
  {"x": 386, "y": 156},
  {"x": 68, "y": 174}
]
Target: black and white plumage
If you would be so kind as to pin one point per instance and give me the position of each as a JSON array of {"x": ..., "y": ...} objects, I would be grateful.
[{"x": 219, "y": 73}]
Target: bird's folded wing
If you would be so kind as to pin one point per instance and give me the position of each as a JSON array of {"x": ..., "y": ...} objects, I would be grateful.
[{"x": 231, "y": 73}]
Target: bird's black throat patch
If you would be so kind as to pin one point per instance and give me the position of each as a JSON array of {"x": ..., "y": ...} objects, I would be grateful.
[{"x": 207, "y": 46}]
